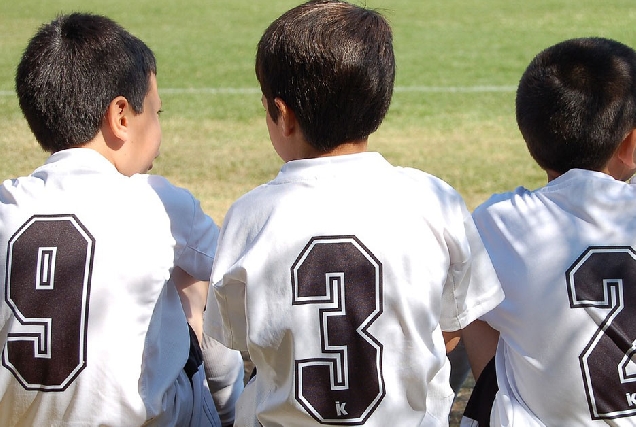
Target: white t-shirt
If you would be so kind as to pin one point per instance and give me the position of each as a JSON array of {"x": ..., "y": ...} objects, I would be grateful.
[
  {"x": 99, "y": 338},
  {"x": 565, "y": 256},
  {"x": 339, "y": 276}
]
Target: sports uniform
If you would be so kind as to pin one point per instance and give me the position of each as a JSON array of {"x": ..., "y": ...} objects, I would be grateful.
[
  {"x": 339, "y": 276},
  {"x": 565, "y": 256},
  {"x": 91, "y": 333}
]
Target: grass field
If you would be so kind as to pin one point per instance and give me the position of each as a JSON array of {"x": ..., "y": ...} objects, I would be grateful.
[{"x": 452, "y": 113}]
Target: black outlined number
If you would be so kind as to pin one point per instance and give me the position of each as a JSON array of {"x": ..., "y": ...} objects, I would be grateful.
[
  {"x": 343, "y": 279},
  {"x": 47, "y": 286},
  {"x": 603, "y": 282}
]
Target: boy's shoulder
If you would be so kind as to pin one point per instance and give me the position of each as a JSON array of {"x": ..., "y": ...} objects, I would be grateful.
[
  {"x": 515, "y": 202},
  {"x": 421, "y": 177},
  {"x": 572, "y": 185},
  {"x": 178, "y": 202},
  {"x": 577, "y": 190},
  {"x": 160, "y": 184},
  {"x": 433, "y": 192},
  {"x": 504, "y": 197},
  {"x": 369, "y": 165},
  {"x": 409, "y": 187}
]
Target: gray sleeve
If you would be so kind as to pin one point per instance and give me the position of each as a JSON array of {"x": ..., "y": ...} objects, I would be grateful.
[{"x": 224, "y": 373}]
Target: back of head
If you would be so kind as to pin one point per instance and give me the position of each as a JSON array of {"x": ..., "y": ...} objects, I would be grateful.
[
  {"x": 333, "y": 64},
  {"x": 70, "y": 72},
  {"x": 576, "y": 102}
]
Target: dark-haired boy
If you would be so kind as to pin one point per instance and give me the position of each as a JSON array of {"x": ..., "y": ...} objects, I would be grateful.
[
  {"x": 340, "y": 275},
  {"x": 565, "y": 252},
  {"x": 100, "y": 261}
]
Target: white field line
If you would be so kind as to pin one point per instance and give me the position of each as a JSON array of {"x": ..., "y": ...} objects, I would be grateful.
[
  {"x": 453, "y": 89},
  {"x": 254, "y": 90}
]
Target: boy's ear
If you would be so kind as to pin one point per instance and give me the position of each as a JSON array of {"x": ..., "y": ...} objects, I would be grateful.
[
  {"x": 116, "y": 119},
  {"x": 626, "y": 152},
  {"x": 286, "y": 118}
]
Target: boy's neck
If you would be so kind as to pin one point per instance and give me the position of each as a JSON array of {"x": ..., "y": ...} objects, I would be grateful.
[
  {"x": 552, "y": 175},
  {"x": 298, "y": 148},
  {"x": 344, "y": 149}
]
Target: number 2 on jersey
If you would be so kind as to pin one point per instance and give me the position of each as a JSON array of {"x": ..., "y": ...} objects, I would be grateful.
[
  {"x": 49, "y": 263},
  {"x": 341, "y": 278},
  {"x": 603, "y": 282}
]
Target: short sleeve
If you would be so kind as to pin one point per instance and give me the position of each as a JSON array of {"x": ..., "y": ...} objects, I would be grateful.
[
  {"x": 472, "y": 288},
  {"x": 195, "y": 233}
]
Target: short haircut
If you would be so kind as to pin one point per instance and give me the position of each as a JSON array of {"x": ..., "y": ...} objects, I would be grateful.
[
  {"x": 333, "y": 64},
  {"x": 70, "y": 72},
  {"x": 576, "y": 102}
]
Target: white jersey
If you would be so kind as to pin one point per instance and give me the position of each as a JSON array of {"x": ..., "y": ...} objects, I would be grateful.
[
  {"x": 565, "y": 256},
  {"x": 91, "y": 333},
  {"x": 339, "y": 276}
]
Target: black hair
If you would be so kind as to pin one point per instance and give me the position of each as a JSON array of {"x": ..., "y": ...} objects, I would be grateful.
[
  {"x": 576, "y": 102},
  {"x": 72, "y": 69},
  {"x": 333, "y": 64}
]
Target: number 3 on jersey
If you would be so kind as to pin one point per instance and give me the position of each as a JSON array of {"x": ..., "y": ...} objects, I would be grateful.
[
  {"x": 342, "y": 279},
  {"x": 603, "y": 282},
  {"x": 49, "y": 263}
]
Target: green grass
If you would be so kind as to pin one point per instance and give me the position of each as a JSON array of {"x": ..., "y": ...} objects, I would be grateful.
[{"x": 216, "y": 144}]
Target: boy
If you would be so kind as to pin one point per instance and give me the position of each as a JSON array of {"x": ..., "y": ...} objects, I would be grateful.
[
  {"x": 340, "y": 275},
  {"x": 565, "y": 252},
  {"x": 98, "y": 255}
]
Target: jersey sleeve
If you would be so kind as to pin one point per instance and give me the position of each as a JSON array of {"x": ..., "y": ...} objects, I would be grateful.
[
  {"x": 225, "y": 314},
  {"x": 488, "y": 225},
  {"x": 472, "y": 288},
  {"x": 224, "y": 374},
  {"x": 195, "y": 232},
  {"x": 231, "y": 322}
]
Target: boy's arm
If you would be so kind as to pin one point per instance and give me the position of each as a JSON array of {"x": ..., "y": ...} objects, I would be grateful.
[
  {"x": 193, "y": 294},
  {"x": 480, "y": 340},
  {"x": 224, "y": 374},
  {"x": 451, "y": 339}
]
